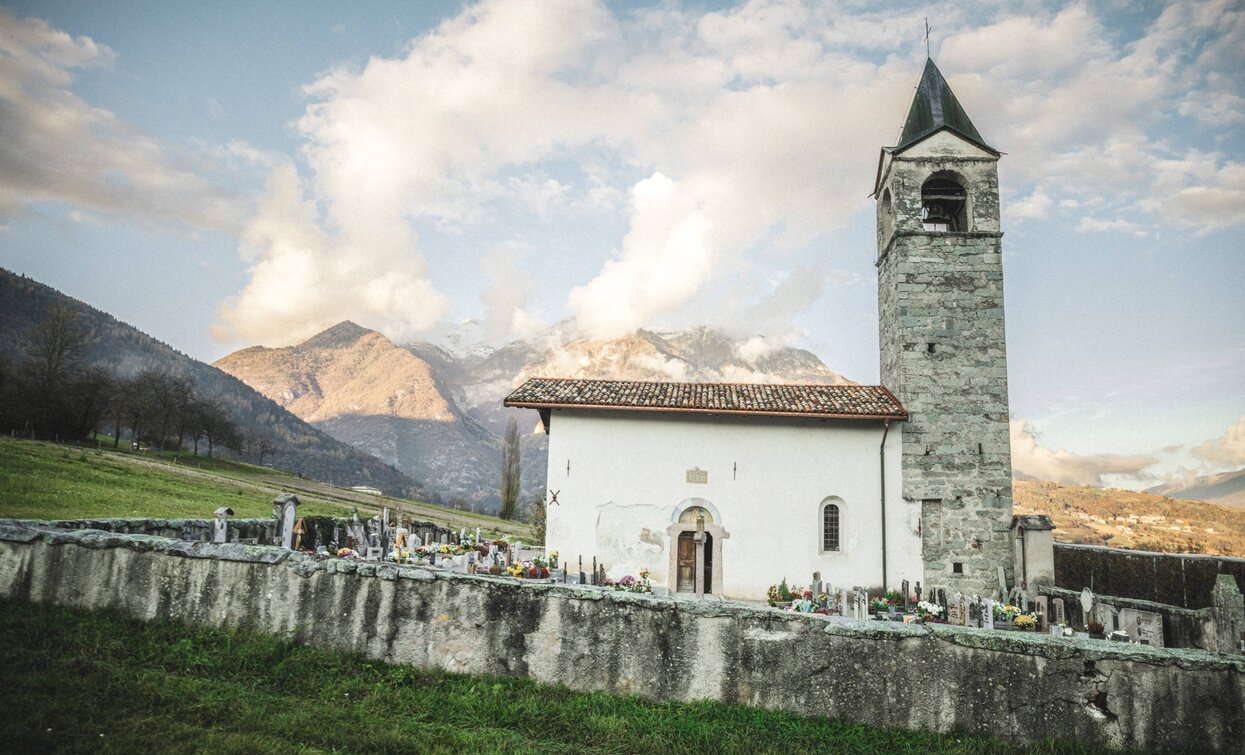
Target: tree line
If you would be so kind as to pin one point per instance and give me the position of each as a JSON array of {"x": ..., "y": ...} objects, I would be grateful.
[{"x": 52, "y": 393}]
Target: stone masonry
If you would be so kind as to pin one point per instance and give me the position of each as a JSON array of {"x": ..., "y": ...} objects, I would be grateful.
[
  {"x": 943, "y": 355},
  {"x": 1023, "y": 686}
]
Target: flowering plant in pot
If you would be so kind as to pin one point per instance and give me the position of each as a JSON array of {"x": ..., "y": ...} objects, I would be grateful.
[
  {"x": 1095, "y": 629},
  {"x": 1025, "y": 621},
  {"x": 928, "y": 611}
]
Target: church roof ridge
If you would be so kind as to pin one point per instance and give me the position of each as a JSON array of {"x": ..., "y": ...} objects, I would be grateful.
[
  {"x": 818, "y": 401},
  {"x": 934, "y": 108}
]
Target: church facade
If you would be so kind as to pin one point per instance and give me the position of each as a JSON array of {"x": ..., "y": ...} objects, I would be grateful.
[{"x": 727, "y": 489}]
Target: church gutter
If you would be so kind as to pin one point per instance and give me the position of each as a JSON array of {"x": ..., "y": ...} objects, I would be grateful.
[{"x": 886, "y": 428}]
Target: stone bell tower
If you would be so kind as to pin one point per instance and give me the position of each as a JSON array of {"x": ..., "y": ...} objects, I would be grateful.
[{"x": 940, "y": 314}]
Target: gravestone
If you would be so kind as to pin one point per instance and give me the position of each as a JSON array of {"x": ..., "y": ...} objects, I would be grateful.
[
  {"x": 963, "y": 609},
  {"x": 1149, "y": 628},
  {"x": 220, "y": 527},
  {"x": 1002, "y": 584},
  {"x": 989, "y": 613},
  {"x": 918, "y": 592},
  {"x": 904, "y": 588},
  {"x": 285, "y": 510},
  {"x": 953, "y": 611},
  {"x": 845, "y": 607},
  {"x": 1087, "y": 603},
  {"x": 1043, "y": 611},
  {"x": 1060, "y": 613},
  {"x": 373, "y": 553}
]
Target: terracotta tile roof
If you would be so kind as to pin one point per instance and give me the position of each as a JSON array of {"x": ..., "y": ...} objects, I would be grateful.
[{"x": 837, "y": 401}]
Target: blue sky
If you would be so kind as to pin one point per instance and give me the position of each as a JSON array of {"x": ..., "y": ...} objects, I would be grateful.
[{"x": 235, "y": 173}]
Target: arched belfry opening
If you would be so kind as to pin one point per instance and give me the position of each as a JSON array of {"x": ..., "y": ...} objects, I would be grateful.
[
  {"x": 944, "y": 204},
  {"x": 886, "y": 219}
]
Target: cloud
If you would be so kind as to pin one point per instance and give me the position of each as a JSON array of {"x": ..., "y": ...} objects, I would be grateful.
[
  {"x": 1228, "y": 450},
  {"x": 305, "y": 279},
  {"x": 1030, "y": 460},
  {"x": 724, "y": 137},
  {"x": 508, "y": 294},
  {"x": 1085, "y": 119},
  {"x": 54, "y": 146}
]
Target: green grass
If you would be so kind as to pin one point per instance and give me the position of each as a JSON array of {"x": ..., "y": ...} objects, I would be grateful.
[
  {"x": 78, "y": 681},
  {"x": 48, "y": 481},
  {"x": 41, "y": 480}
]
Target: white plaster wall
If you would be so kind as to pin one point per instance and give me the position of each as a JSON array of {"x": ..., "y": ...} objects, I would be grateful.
[{"x": 767, "y": 480}]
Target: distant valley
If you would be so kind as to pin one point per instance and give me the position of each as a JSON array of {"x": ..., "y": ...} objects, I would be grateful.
[{"x": 1128, "y": 519}]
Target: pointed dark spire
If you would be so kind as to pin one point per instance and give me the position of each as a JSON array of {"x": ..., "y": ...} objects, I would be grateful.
[{"x": 934, "y": 108}]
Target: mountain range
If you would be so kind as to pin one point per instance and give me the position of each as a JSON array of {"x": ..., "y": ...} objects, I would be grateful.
[
  {"x": 123, "y": 351},
  {"x": 437, "y": 414},
  {"x": 1226, "y": 488}
]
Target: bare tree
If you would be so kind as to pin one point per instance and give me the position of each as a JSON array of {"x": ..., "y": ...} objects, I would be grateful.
[
  {"x": 54, "y": 350},
  {"x": 510, "y": 472}
]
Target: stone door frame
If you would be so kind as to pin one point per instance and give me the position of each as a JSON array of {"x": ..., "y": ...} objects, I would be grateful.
[{"x": 677, "y": 528}]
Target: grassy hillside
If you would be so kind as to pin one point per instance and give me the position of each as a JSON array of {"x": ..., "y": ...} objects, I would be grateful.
[
  {"x": 99, "y": 682},
  {"x": 48, "y": 481},
  {"x": 1127, "y": 519},
  {"x": 123, "y": 351}
]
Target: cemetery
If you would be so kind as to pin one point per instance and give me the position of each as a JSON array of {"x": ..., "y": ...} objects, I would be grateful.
[{"x": 924, "y": 658}]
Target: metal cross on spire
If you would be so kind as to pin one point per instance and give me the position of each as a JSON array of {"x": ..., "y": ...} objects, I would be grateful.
[{"x": 927, "y": 30}]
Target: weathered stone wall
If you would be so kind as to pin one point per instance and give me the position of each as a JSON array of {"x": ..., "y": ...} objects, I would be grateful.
[
  {"x": 1183, "y": 580},
  {"x": 320, "y": 530},
  {"x": 943, "y": 352},
  {"x": 1024, "y": 686}
]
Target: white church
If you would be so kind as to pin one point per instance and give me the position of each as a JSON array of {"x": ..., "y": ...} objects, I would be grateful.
[{"x": 726, "y": 489}]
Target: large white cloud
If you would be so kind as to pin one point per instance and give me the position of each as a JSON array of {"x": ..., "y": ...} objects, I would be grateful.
[
  {"x": 54, "y": 146},
  {"x": 1031, "y": 460},
  {"x": 718, "y": 132},
  {"x": 1228, "y": 450}
]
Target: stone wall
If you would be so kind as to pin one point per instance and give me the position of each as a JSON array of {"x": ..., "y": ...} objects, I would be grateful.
[
  {"x": 319, "y": 530},
  {"x": 943, "y": 354},
  {"x": 1013, "y": 685},
  {"x": 1183, "y": 580}
]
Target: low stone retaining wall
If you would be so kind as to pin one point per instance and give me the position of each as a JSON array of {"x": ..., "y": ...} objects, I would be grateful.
[
  {"x": 1182, "y": 627},
  {"x": 320, "y": 530},
  {"x": 1008, "y": 684}
]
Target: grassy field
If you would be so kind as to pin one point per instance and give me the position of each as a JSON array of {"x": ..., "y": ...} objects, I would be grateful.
[
  {"x": 48, "y": 481},
  {"x": 87, "y": 682}
]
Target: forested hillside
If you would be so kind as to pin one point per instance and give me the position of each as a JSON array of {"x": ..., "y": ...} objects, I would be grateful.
[{"x": 124, "y": 352}]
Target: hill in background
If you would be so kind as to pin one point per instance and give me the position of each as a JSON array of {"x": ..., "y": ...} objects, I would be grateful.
[
  {"x": 1227, "y": 488},
  {"x": 124, "y": 351},
  {"x": 1128, "y": 519}
]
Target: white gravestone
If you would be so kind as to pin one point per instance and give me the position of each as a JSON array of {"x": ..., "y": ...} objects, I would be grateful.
[
  {"x": 285, "y": 507},
  {"x": 220, "y": 528}
]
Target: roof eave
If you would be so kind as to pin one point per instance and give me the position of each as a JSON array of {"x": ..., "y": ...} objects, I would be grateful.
[
  {"x": 900, "y": 417},
  {"x": 975, "y": 142}
]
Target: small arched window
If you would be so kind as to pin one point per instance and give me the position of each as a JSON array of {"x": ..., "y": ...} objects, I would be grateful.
[
  {"x": 831, "y": 530},
  {"x": 944, "y": 205}
]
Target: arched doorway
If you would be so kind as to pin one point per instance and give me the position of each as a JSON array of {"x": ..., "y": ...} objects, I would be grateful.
[
  {"x": 686, "y": 577},
  {"x": 696, "y": 548}
]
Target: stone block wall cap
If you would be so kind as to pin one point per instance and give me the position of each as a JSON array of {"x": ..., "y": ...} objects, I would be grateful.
[{"x": 1032, "y": 522}]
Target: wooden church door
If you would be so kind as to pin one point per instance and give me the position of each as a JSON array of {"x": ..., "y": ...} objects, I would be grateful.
[{"x": 687, "y": 563}]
